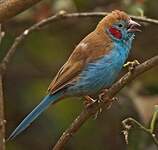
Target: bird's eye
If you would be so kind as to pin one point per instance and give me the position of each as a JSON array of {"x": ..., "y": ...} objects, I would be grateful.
[{"x": 120, "y": 25}]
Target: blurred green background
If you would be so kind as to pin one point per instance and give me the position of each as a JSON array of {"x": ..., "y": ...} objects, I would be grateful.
[{"x": 40, "y": 56}]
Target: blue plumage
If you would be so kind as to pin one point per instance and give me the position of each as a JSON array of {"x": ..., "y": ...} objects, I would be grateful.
[{"x": 101, "y": 73}]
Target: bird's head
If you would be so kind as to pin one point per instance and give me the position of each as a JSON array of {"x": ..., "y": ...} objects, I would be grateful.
[{"x": 118, "y": 26}]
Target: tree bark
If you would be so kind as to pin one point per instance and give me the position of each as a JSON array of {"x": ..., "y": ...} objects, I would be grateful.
[{"x": 10, "y": 8}]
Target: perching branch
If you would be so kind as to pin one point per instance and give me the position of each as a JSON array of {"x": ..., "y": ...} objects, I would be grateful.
[
  {"x": 10, "y": 8},
  {"x": 87, "y": 113},
  {"x": 127, "y": 123}
]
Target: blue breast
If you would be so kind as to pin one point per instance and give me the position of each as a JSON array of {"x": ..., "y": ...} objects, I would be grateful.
[{"x": 101, "y": 73}]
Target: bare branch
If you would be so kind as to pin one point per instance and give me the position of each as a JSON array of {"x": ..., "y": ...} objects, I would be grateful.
[
  {"x": 0, "y": 33},
  {"x": 6, "y": 60},
  {"x": 86, "y": 114},
  {"x": 10, "y": 8},
  {"x": 153, "y": 121},
  {"x": 2, "y": 120}
]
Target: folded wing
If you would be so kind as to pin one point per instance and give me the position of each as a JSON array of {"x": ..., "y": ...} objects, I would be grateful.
[{"x": 89, "y": 49}]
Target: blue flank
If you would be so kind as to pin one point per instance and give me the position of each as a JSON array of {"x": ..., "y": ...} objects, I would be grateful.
[{"x": 48, "y": 100}]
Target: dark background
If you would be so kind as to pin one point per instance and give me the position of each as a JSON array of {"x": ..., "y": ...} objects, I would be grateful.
[{"x": 40, "y": 56}]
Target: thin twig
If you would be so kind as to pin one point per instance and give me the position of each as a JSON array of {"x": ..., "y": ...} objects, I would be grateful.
[
  {"x": 2, "y": 120},
  {"x": 128, "y": 121},
  {"x": 152, "y": 125},
  {"x": 0, "y": 33},
  {"x": 8, "y": 57},
  {"x": 59, "y": 16},
  {"x": 86, "y": 114},
  {"x": 10, "y": 8}
]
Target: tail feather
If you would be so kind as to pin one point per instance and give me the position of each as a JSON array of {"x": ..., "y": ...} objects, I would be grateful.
[{"x": 48, "y": 100}]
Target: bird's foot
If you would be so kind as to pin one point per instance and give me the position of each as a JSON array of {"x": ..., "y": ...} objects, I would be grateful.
[
  {"x": 101, "y": 95},
  {"x": 101, "y": 99},
  {"x": 109, "y": 104},
  {"x": 98, "y": 112},
  {"x": 131, "y": 65},
  {"x": 88, "y": 101},
  {"x": 111, "y": 101}
]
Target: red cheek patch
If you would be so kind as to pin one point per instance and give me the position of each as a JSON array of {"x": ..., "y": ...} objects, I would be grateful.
[{"x": 115, "y": 32}]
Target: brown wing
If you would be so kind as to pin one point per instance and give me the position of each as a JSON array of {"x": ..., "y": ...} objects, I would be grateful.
[
  {"x": 90, "y": 48},
  {"x": 66, "y": 73}
]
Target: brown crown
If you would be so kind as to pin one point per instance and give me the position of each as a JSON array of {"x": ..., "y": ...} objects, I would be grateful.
[{"x": 112, "y": 18}]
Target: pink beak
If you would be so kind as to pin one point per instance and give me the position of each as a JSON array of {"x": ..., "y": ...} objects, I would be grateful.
[{"x": 133, "y": 26}]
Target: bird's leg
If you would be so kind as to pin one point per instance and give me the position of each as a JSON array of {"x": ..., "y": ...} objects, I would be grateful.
[
  {"x": 100, "y": 99},
  {"x": 88, "y": 101},
  {"x": 104, "y": 91},
  {"x": 101, "y": 95},
  {"x": 109, "y": 102},
  {"x": 131, "y": 65}
]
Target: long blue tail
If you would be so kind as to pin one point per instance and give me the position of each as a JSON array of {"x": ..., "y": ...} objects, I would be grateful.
[{"x": 48, "y": 100}]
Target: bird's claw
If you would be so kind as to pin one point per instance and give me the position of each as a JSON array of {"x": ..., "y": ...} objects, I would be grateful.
[
  {"x": 101, "y": 95},
  {"x": 62, "y": 12},
  {"x": 110, "y": 102},
  {"x": 98, "y": 111},
  {"x": 88, "y": 101},
  {"x": 131, "y": 65},
  {"x": 114, "y": 99}
]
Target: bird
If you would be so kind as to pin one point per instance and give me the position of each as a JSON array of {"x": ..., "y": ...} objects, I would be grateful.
[{"x": 94, "y": 64}]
